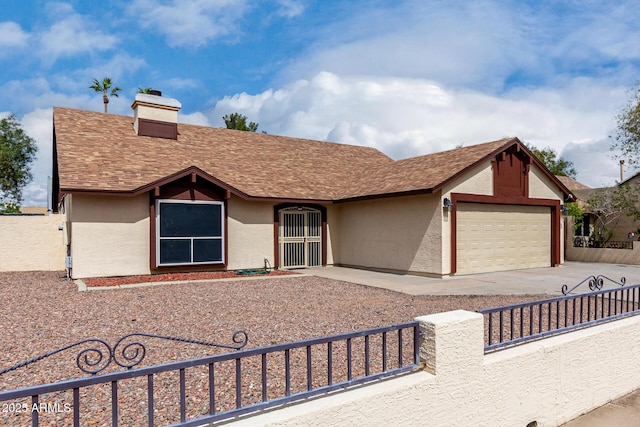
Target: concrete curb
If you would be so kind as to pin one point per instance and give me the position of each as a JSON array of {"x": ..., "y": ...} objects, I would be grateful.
[{"x": 82, "y": 287}]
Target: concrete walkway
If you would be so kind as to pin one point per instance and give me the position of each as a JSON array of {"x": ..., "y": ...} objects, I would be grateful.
[
  {"x": 623, "y": 412},
  {"x": 533, "y": 281}
]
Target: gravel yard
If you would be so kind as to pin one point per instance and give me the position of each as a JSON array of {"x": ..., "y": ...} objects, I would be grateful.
[{"x": 41, "y": 312}]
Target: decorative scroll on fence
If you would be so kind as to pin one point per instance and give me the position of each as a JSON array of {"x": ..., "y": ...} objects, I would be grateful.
[
  {"x": 595, "y": 283},
  {"x": 100, "y": 354}
]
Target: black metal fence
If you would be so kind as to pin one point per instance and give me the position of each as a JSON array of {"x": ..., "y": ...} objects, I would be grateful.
[
  {"x": 584, "y": 242},
  {"x": 514, "y": 324},
  {"x": 225, "y": 385}
]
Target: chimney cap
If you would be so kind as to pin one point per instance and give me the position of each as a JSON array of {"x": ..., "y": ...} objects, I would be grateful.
[
  {"x": 155, "y": 100},
  {"x": 155, "y": 92}
]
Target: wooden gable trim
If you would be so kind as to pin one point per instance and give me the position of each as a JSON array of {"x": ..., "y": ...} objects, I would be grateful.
[
  {"x": 475, "y": 164},
  {"x": 511, "y": 172},
  {"x": 518, "y": 147}
]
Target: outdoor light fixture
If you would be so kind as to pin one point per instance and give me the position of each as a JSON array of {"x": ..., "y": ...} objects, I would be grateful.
[
  {"x": 447, "y": 204},
  {"x": 564, "y": 209}
]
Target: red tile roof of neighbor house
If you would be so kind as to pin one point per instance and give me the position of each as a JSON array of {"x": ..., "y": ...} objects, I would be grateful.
[{"x": 99, "y": 152}]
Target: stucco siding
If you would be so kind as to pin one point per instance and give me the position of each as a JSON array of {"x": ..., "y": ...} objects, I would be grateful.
[
  {"x": 110, "y": 236},
  {"x": 333, "y": 237},
  {"x": 479, "y": 180},
  {"x": 32, "y": 243},
  {"x": 250, "y": 234},
  {"x": 399, "y": 233},
  {"x": 541, "y": 187}
]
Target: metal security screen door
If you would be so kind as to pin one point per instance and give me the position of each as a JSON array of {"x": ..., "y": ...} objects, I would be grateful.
[{"x": 300, "y": 237}]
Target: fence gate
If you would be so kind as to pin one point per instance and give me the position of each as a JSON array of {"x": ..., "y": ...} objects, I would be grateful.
[{"x": 300, "y": 237}]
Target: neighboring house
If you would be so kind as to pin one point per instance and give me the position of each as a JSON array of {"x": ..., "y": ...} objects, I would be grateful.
[
  {"x": 620, "y": 228},
  {"x": 585, "y": 228},
  {"x": 145, "y": 195},
  {"x": 571, "y": 183}
]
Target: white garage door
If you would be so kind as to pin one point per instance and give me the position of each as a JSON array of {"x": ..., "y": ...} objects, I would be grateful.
[{"x": 502, "y": 237}]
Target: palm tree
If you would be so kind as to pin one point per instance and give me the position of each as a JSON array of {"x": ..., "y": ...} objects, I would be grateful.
[
  {"x": 146, "y": 90},
  {"x": 104, "y": 87}
]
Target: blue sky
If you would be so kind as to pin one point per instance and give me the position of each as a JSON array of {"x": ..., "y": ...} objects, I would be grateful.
[{"x": 407, "y": 77}]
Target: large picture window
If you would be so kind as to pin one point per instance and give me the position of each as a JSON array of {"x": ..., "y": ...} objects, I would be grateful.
[{"x": 189, "y": 232}]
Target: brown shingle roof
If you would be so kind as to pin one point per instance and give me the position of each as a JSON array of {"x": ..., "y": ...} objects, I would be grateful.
[
  {"x": 571, "y": 183},
  {"x": 421, "y": 173},
  {"x": 101, "y": 152}
]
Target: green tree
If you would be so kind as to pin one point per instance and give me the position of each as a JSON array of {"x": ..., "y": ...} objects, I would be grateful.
[
  {"x": 106, "y": 88},
  {"x": 557, "y": 165},
  {"x": 626, "y": 140},
  {"x": 17, "y": 152},
  {"x": 239, "y": 122},
  {"x": 574, "y": 210},
  {"x": 146, "y": 90},
  {"x": 608, "y": 205},
  {"x": 9, "y": 208}
]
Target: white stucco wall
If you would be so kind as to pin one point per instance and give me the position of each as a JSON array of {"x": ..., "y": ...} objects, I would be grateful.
[
  {"x": 397, "y": 233},
  {"x": 110, "y": 235},
  {"x": 31, "y": 243},
  {"x": 550, "y": 381}
]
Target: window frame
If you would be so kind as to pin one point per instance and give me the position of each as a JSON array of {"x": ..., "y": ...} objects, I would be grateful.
[{"x": 159, "y": 238}]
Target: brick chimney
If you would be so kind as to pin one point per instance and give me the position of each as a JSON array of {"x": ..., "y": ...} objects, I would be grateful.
[{"x": 155, "y": 116}]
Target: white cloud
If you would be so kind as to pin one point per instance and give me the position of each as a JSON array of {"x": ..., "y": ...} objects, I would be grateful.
[
  {"x": 178, "y": 83},
  {"x": 484, "y": 45},
  {"x": 38, "y": 124},
  {"x": 290, "y": 8},
  {"x": 595, "y": 163},
  {"x": 12, "y": 35},
  {"x": 194, "y": 119},
  {"x": 463, "y": 43},
  {"x": 188, "y": 24},
  {"x": 73, "y": 35},
  {"x": 410, "y": 117}
]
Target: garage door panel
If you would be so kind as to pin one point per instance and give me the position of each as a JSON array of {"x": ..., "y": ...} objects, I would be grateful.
[{"x": 502, "y": 237}]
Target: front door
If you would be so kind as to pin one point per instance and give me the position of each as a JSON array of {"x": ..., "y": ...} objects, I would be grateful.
[{"x": 300, "y": 238}]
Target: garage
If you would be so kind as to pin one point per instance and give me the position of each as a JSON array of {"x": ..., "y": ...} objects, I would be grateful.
[{"x": 492, "y": 237}]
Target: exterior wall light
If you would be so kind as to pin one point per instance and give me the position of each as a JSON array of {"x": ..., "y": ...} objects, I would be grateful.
[
  {"x": 564, "y": 210},
  {"x": 447, "y": 204}
]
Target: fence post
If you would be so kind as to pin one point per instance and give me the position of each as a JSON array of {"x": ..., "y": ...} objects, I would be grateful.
[{"x": 453, "y": 342}]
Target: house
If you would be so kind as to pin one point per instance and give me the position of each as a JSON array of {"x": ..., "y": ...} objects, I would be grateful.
[
  {"x": 619, "y": 224},
  {"x": 145, "y": 194},
  {"x": 571, "y": 183}
]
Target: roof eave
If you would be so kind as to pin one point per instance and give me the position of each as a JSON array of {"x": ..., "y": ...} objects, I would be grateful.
[{"x": 386, "y": 195}]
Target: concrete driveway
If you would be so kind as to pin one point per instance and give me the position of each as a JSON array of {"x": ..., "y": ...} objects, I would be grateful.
[{"x": 533, "y": 281}]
